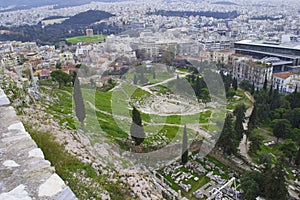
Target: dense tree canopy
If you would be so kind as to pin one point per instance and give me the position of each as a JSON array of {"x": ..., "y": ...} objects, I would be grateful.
[
  {"x": 61, "y": 77},
  {"x": 281, "y": 128},
  {"x": 228, "y": 140},
  {"x": 270, "y": 183}
]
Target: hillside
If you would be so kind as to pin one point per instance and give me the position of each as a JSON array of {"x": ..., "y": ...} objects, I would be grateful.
[
  {"x": 52, "y": 34},
  {"x": 87, "y": 18}
]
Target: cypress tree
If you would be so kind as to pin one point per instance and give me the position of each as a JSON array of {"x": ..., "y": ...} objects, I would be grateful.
[
  {"x": 297, "y": 160},
  {"x": 184, "y": 156},
  {"x": 253, "y": 121},
  {"x": 78, "y": 100},
  {"x": 235, "y": 84},
  {"x": 135, "y": 79},
  {"x": 271, "y": 92},
  {"x": 239, "y": 112},
  {"x": 74, "y": 75},
  {"x": 252, "y": 89},
  {"x": 197, "y": 87},
  {"x": 227, "y": 140},
  {"x": 136, "y": 128},
  {"x": 265, "y": 83}
]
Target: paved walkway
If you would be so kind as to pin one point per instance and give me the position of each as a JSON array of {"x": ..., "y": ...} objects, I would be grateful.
[{"x": 244, "y": 144}]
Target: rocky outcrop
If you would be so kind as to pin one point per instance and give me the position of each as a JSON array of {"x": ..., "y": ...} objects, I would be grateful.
[{"x": 24, "y": 172}]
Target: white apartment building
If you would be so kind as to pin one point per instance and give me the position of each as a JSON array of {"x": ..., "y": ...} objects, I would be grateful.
[{"x": 286, "y": 82}]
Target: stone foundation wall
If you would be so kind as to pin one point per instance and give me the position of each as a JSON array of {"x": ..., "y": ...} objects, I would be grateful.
[{"x": 24, "y": 172}]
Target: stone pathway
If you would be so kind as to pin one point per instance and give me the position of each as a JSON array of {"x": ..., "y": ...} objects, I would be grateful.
[{"x": 244, "y": 144}]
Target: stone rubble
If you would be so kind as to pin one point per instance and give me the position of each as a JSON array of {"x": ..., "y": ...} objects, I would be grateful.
[{"x": 103, "y": 156}]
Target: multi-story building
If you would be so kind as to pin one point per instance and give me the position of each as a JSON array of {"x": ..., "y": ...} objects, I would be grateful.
[
  {"x": 286, "y": 52},
  {"x": 286, "y": 82},
  {"x": 220, "y": 56},
  {"x": 244, "y": 68}
]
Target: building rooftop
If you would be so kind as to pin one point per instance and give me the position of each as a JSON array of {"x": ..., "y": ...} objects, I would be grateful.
[
  {"x": 287, "y": 45},
  {"x": 283, "y": 75}
]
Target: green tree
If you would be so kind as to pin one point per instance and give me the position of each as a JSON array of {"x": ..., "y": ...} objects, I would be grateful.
[
  {"x": 135, "y": 80},
  {"x": 281, "y": 128},
  {"x": 185, "y": 153},
  {"x": 256, "y": 142},
  {"x": 252, "y": 89},
  {"x": 250, "y": 184},
  {"x": 289, "y": 149},
  {"x": 58, "y": 65},
  {"x": 265, "y": 86},
  {"x": 297, "y": 160},
  {"x": 136, "y": 128},
  {"x": 253, "y": 121},
  {"x": 295, "y": 135},
  {"x": 275, "y": 100},
  {"x": 265, "y": 159},
  {"x": 275, "y": 183},
  {"x": 74, "y": 75},
  {"x": 271, "y": 92},
  {"x": 294, "y": 99},
  {"x": 197, "y": 87},
  {"x": 246, "y": 85},
  {"x": 293, "y": 115},
  {"x": 227, "y": 80},
  {"x": 167, "y": 57},
  {"x": 79, "y": 104},
  {"x": 239, "y": 113},
  {"x": 227, "y": 140},
  {"x": 230, "y": 93},
  {"x": 61, "y": 77},
  {"x": 235, "y": 84}
]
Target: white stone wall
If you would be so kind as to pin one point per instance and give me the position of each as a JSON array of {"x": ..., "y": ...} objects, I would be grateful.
[{"x": 24, "y": 172}]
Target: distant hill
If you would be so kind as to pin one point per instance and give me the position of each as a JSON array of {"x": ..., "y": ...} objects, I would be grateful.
[
  {"x": 51, "y": 34},
  {"x": 87, "y": 18}
]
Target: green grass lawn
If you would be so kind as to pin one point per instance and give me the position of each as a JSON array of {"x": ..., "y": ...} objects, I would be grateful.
[
  {"x": 195, "y": 184},
  {"x": 94, "y": 39},
  {"x": 242, "y": 98}
]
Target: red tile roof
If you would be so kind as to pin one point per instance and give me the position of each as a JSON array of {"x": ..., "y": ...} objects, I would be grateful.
[{"x": 283, "y": 75}]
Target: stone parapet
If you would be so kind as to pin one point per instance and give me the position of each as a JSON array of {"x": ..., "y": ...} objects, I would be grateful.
[{"x": 24, "y": 172}]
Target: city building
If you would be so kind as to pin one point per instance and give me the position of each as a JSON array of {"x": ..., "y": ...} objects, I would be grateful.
[
  {"x": 244, "y": 68},
  {"x": 284, "y": 54},
  {"x": 286, "y": 82}
]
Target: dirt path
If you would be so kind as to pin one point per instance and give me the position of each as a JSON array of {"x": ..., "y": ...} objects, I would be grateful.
[
  {"x": 165, "y": 81},
  {"x": 244, "y": 144}
]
